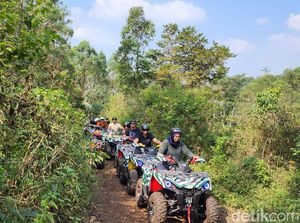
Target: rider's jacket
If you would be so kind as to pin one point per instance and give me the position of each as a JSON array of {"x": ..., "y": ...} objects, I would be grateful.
[
  {"x": 132, "y": 133},
  {"x": 167, "y": 149},
  {"x": 146, "y": 140}
]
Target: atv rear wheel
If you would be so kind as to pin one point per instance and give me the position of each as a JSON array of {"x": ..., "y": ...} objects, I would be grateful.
[
  {"x": 211, "y": 210},
  {"x": 157, "y": 208},
  {"x": 139, "y": 194},
  {"x": 131, "y": 182}
]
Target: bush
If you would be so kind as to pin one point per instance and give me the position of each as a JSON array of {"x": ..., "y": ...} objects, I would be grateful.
[{"x": 47, "y": 177}]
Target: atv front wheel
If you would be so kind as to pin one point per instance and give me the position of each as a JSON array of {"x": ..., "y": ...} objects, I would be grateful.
[
  {"x": 157, "y": 208},
  {"x": 131, "y": 182},
  {"x": 211, "y": 210},
  {"x": 116, "y": 163},
  {"x": 121, "y": 172}
]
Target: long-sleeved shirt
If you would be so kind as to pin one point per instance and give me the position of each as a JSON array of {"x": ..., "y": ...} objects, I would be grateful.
[{"x": 167, "y": 149}]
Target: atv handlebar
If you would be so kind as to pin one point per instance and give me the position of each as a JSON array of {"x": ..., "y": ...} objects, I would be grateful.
[{"x": 195, "y": 159}]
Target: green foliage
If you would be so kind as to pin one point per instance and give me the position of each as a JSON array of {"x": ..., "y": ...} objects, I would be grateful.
[
  {"x": 134, "y": 68},
  {"x": 230, "y": 88},
  {"x": 45, "y": 175},
  {"x": 184, "y": 55},
  {"x": 91, "y": 76},
  {"x": 218, "y": 151},
  {"x": 120, "y": 106},
  {"x": 256, "y": 157},
  {"x": 247, "y": 129},
  {"x": 296, "y": 149},
  {"x": 268, "y": 100},
  {"x": 190, "y": 109}
]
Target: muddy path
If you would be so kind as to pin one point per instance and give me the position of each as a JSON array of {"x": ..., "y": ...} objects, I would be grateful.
[{"x": 111, "y": 203}]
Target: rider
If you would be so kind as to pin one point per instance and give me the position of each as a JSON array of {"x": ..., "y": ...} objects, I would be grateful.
[
  {"x": 115, "y": 126},
  {"x": 145, "y": 137},
  {"x": 107, "y": 121},
  {"x": 132, "y": 132},
  {"x": 172, "y": 148},
  {"x": 101, "y": 123},
  {"x": 96, "y": 133}
]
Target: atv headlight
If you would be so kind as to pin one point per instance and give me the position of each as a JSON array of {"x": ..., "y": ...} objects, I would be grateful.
[
  {"x": 206, "y": 186},
  {"x": 168, "y": 184},
  {"x": 140, "y": 163}
]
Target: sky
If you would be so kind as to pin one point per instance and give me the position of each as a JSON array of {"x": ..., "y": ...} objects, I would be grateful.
[{"x": 264, "y": 34}]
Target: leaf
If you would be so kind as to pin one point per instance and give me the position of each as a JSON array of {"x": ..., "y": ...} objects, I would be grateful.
[
  {"x": 28, "y": 213},
  {"x": 50, "y": 217},
  {"x": 9, "y": 49}
]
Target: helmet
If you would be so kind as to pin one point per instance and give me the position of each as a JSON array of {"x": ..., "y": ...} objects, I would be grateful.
[
  {"x": 132, "y": 121},
  {"x": 176, "y": 130},
  {"x": 102, "y": 118},
  {"x": 97, "y": 120},
  {"x": 145, "y": 127},
  {"x": 114, "y": 118},
  {"x": 126, "y": 124}
]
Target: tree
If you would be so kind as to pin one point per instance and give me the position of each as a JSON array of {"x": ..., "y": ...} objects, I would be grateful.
[
  {"x": 91, "y": 76},
  {"x": 134, "y": 67},
  {"x": 187, "y": 58},
  {"x": 40, "y": 141}
]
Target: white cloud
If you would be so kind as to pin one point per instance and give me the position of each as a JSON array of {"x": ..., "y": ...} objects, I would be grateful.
[
  {"x": 102, "y": 23},
  {"x": 96, "y": 35},
  {"x": 239, "y": 45},
  {"x": 175, "y": 11},
  {"x": 287, "y": 42},
  {"x": 294, "y": 22},
  {"x": 262, "y": 21}
]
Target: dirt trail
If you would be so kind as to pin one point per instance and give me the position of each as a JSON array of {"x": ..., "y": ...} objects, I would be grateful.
[{"x": 111, "y": 203}]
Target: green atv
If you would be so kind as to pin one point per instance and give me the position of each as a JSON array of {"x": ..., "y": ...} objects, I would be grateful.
[
  {"x": 174, "y": 190},
  {"x": 133, "y": 169},
  {"x": 123, "y": 152},
  {"x": 111, "y": 143}
]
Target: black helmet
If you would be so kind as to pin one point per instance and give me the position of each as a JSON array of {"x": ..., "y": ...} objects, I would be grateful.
[
  {"x": 114, "y": 118},
  {"x": 145, "y": 127},
  {"x": 132, "y": 121},
  {"x": 176, "y": 130}
]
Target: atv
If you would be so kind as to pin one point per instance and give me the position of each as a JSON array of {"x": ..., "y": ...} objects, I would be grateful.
[
  {"x": 175, "y": 190},
  {"x": 112, "y": 140},
  {"x": 123, "y": 152},
  {"x": 99, "y": 156},
  {"x": 97, "y": 146},
  {"x": 133, "y": 170}
]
